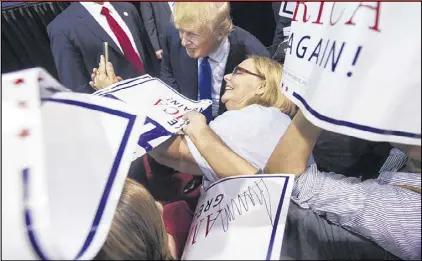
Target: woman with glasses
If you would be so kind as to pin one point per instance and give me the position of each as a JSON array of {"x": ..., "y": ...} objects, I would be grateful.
[{"x": 257, "y": 116}]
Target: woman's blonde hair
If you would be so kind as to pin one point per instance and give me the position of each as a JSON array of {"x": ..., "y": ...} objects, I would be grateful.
[
  {"x": 203, "y": 17},
  {"x": 137, "y": 231},
  {"x": 271, "y": 71}
]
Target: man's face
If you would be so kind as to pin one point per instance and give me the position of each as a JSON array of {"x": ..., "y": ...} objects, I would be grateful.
[{"x": 198, "y": 44}]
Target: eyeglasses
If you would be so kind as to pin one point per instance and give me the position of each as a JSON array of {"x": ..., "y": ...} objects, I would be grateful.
[{"x": 238, "y": 69}]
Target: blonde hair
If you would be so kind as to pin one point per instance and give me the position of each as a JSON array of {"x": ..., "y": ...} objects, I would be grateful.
[
  {"x": 271, "y": 71},
  {"x": 203, "y": 17}
]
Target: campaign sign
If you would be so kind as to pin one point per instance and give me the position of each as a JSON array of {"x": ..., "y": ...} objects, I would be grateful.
[
  {"x": 163, "y": 107},
  {"x": 355, "y": 68},
  {"x": 240, "y": 218},
  {"x": 65, "y": 159}
]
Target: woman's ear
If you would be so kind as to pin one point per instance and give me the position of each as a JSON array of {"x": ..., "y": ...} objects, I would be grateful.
[{"x": 261, "y": 88}]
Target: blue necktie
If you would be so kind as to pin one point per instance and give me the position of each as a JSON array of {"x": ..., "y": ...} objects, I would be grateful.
[{"x": 205, "y": 85}]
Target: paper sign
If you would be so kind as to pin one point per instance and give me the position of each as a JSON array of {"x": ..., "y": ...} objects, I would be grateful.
[
  {"x": 163, "y": 107},
  {"x": 240, "y": 218},
  {"x": 65, "y": 158},
  {"x": 287, "y": 9},
  {"x": 354, "y": 68}
]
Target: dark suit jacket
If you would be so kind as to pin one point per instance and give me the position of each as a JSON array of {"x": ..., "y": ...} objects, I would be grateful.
[
  {"x": 156, "y": 16},
  {"x": 76, "y": 41},
  {"x": 181, "y": 71}
]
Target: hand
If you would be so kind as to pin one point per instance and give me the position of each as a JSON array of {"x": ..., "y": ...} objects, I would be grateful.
[
  {"x": 159, "y": 54},
  {"x": 195, "y": 123},
  {"x": 103, "y": 76}
]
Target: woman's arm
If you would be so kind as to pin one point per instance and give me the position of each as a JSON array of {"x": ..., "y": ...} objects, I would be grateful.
[
  {"x": 175, "y": 153},
  {"x": 294, "y": 148},
  {"x": 223, "y": 160}
]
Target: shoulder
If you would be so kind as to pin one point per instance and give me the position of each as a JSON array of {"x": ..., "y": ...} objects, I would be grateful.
[
  {"x": 260, "y": 115},
  {"x": 243, "y": 38},
  {"x": 61, "y": 22}
]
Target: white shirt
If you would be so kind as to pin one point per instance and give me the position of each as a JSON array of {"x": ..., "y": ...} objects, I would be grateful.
[
  {"x": 252, "y": 133},
  {"x": 171, "y": 4},
  {"x": 217, "y": 60},
  {"x": 95, "y": 10}
]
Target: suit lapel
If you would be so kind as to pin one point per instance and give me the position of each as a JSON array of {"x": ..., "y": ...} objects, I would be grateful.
[
  {"x": 133, "y": 28},
  {"x": 89, "y": 22},
  {"x": 237, "y": 54},
  {"x": 166, "y": 6},
  {"x": 190, "y": 68}
]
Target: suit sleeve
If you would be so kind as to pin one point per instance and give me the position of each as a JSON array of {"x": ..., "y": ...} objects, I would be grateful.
[
  {"x": 149, "y": 22},
  {"x": 69, "y": 63},
  {"x": 255, "y": 47},
  {"x": 283, "y": 22},
  {"x": 166, "y": 74}
]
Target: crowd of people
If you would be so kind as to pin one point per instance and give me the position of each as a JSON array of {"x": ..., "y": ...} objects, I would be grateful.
[{"x": 372, "y": 195}]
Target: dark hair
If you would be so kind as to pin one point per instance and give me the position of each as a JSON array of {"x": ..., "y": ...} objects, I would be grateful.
[{"x": 137, "y": 231}]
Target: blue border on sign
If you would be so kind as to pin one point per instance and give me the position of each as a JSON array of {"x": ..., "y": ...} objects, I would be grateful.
[
  {"x": 354, "y": 125},
  {"x": 110, "y": 181},
  {"x": 279, "y": 208}
]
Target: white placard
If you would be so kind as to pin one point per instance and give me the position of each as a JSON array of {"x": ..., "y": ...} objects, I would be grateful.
[
  {"x": 240, "y": 218},
  {"x": 66, "y": 158},
  {"x": 163, "y": 107},
  {"x": 287, "y": 9},
  {"x": 355, "y": 68}
]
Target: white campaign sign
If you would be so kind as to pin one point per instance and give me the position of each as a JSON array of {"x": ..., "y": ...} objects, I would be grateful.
[
  {"x": 355, "y": 68},
  {"x": 65, "y": 159},
  {"x": 163, "y": 107},
  {"x": 240, "y": 218}
]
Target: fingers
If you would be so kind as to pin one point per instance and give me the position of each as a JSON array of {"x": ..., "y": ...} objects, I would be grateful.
[
  {"x": 94, "y": 74},
  {"x": 110, "y": 70},
  {"x": 102, "y": 65},
  {"x": 92, "y": 85},
  {"x": 119, "y": 79}
]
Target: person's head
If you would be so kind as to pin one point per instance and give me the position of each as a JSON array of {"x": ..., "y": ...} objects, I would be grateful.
[
  {"x": 137, "y": 231},
  {"x": 202, "y": 25},
  {"x": 256, "y": 81}
]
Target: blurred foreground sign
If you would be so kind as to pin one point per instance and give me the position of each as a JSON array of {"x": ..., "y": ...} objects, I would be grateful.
[
  {"x": 240, "y": 218},
  {"x": 355, "y": 68}
]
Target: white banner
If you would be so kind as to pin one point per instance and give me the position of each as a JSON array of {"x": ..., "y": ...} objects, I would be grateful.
[
  {"x": 355, "y": 68},
  {"x": 163, "y": 107},
  {"x": 240, "y": 218},
  {"x": 65, "y": 159}
]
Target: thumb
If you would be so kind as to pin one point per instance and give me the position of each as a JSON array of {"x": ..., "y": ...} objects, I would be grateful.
[{"x": 110, "y": 70}]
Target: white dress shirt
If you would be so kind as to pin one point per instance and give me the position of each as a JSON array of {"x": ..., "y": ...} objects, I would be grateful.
[
  {"x": 217, "y": 60},
  {"x": 171, "y": 4},
  {"x": 95, "y": 10}
]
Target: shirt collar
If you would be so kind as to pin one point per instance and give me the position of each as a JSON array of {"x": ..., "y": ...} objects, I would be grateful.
[
  {"x": 222, "y": 50},
  {"x": 96, "y": 8},
  {"x": 400, "y": 178}
]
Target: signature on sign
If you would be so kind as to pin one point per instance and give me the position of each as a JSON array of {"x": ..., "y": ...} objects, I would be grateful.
[{"x": 215, "y": 210}]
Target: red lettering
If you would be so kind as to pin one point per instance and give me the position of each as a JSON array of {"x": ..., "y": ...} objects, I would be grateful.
[
  {"x": 176, "y": 111},
  {"x": 180, "y": 116},
  {"x": 194, "y": 231},
  {"x": 376, "y": 8},
  {"x": 331, "y": 15},
  {"x": 304, "y": 12},
  {"x": 318, "y": 20},
  {"x": 213, "y": 221},
  {"x": 159, "y": 100}
]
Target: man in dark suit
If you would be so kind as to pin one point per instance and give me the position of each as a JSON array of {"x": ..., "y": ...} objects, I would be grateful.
[
  {"x": 77, "y": 36},
  {"x": 156, "y": 16},
  {"x": 200, "y": 48}
]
